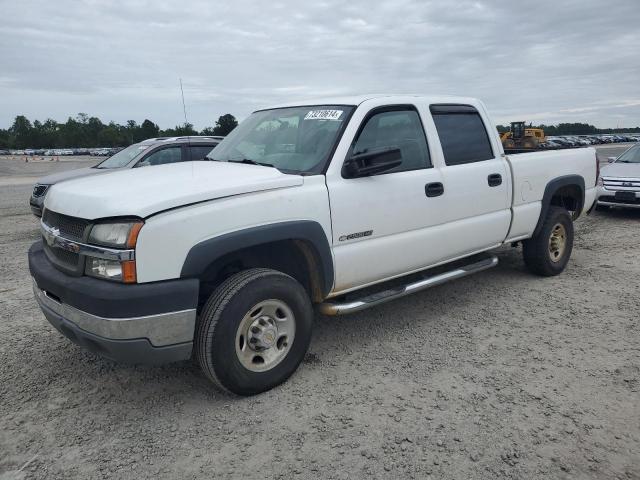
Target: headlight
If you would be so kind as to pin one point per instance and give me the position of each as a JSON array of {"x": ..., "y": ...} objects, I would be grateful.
[
  {"x": 124, "y": 271},
  {"x": 119, "y": 235},
  {"x": 115, "y": 234},
  {"x": 109, "y": 269}
]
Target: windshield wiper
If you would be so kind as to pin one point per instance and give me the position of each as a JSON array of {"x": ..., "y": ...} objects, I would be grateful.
[{"x": 248, "y": 161}]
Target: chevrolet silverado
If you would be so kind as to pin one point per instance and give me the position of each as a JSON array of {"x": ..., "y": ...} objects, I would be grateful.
[{"x": 338, "y": 205}]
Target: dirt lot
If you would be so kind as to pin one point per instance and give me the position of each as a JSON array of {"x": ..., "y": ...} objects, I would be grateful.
[{"x": 499, "y": 375}]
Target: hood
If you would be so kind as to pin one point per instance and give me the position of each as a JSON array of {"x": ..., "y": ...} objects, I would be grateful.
[
  {"x": 69, "y": 174},
  {"x": 618, "y": 169},
  {"x": 141, "y": 192}
]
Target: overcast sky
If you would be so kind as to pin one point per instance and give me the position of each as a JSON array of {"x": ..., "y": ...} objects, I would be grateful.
[{"x": 542, "y": 61}]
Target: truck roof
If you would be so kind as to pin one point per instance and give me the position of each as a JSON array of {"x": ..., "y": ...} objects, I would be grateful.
[{"x": 391, "y": 98}]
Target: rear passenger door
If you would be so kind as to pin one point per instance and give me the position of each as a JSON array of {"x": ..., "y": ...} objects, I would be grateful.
[{"x": 476, "y": 179}]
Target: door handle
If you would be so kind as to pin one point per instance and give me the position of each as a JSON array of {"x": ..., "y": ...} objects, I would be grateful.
[
  {"x": 494, "y": 179},
  {"x": 434, "y": 189}
]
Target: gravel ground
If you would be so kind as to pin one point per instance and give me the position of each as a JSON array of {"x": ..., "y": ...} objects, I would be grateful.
[{"x": 498, "y": 375}]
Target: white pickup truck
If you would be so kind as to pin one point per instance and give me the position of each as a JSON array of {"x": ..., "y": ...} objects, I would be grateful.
[{"x": 342, "y": 204}]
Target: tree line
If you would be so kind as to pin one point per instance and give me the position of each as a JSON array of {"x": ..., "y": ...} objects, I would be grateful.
[
  {"x": 574, "y": 129},
  {"x": 89, "y": 132}
]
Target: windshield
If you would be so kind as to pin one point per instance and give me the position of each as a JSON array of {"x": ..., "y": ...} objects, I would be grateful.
[
  {"x": 630, "y": 156},
  {"x": 123, "y": 157},
  {"x": 294, "y": 140}
]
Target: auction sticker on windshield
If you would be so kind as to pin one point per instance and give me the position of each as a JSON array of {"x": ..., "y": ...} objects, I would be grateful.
[{"x": 323, "y": 115}]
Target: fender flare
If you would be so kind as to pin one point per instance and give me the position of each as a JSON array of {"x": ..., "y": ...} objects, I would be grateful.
[
  {"x": 552, "y": 187},
  {"x": 208, "y": 251}
]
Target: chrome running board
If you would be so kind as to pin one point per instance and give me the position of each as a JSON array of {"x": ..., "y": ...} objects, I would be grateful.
[{"x": 338, "y": 307}]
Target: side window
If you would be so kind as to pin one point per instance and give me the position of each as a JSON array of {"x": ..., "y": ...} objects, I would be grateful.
[
  {"x": 462, "y": 133},
  {"x": 161, "y": 157},
  {"x": 199, "y": 152},
  {"x": 396, "y": 128}
]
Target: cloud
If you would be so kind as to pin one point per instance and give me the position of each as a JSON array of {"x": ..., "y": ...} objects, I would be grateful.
[{"x": 550, "y": 62}]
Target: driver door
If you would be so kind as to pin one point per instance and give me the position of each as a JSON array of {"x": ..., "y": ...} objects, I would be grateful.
[{"x": 381, "y": 223}]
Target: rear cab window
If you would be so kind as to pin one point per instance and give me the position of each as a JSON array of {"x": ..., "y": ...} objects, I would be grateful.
[{"x": 463, "y": 135}]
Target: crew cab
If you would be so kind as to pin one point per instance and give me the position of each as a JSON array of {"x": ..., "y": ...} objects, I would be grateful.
[{"x": 337, "y": 205}]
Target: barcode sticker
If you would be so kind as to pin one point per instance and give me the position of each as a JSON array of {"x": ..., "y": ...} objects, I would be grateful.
[{"x": 323, "y": 115}]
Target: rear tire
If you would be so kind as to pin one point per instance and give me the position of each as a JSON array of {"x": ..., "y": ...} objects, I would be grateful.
[
  {"x": 548, "y": 252},
  {"x": 253, "y": 331}
]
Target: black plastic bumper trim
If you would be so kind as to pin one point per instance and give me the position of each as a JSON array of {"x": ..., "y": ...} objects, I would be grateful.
[{"x": 110, "y": 299}]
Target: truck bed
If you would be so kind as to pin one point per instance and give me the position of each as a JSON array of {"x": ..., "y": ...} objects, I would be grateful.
[{"x": 531, "y": 174}]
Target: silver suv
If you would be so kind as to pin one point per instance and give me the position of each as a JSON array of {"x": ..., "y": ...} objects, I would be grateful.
[
  {"x": 619, "y": 182},
  {"x": 153, "y": 151}
]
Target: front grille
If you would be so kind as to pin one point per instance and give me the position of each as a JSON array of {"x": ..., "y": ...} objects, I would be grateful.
[
  {"x": 63, "y": 258},
  {"x": 70, "y": 227},
  {"x": 40, "y": 190},
  {"x": 628, "y": 184}
]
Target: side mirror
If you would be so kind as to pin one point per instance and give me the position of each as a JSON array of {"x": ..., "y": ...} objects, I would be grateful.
[
  {"x": 372, "y": 162},
  {"x": 611, "y": 159}
]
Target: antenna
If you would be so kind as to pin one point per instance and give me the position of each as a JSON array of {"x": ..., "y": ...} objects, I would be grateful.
[
  {"x": 184, "y": 108},
  {"x": 186, "y": 122}
]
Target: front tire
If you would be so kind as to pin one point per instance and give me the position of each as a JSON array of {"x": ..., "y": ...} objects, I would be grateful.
[
  {"x": 254, "y": 331},
  {"x": 548, "y": 252}
]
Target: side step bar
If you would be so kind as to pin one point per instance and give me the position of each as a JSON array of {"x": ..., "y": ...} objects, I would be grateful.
[{"x": 341, "y": 308}]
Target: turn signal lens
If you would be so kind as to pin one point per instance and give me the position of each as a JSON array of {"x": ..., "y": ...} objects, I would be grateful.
[
  {"x": 133, "y": 235},
  {"x": 129, "y": 271}
]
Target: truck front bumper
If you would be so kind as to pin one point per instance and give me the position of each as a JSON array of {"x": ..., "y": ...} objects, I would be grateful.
[{"x": 143, "y": 323}]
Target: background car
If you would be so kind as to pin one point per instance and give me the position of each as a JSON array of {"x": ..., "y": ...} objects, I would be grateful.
[
  {"x": 154, "y": 151},
  {"x": 619, "y": 182},
  {"x": 561, "y": 141},
  {"x": 551, "y": 143},
  {"x": 100, "y": 152}
]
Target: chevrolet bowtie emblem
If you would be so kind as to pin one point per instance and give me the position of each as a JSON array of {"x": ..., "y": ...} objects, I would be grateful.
[{"x": 50, "y": 236}]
